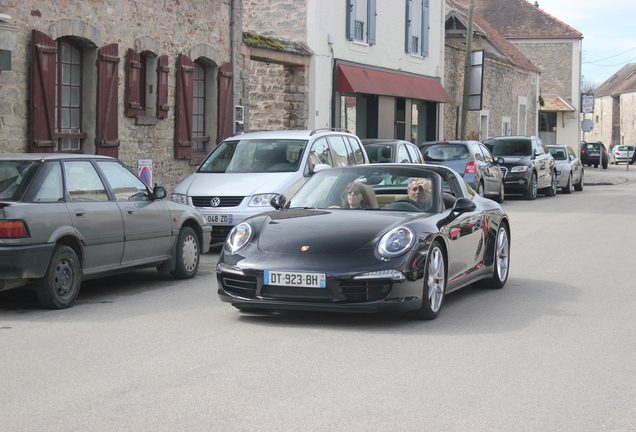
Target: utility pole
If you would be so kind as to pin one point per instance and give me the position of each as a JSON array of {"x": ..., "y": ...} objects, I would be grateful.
[{"x": 467, "y": 67}]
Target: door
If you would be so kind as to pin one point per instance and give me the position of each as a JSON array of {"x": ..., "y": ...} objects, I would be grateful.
[
  {"x": 147, "y": 222},
  {"x": 465, "y": 236},
  {"x": 95, "y": 217}
]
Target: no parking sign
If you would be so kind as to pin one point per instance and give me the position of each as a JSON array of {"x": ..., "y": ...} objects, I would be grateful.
[{"x": 144, "y": 170}]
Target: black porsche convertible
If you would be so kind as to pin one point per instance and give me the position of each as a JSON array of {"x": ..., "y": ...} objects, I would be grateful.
[{"x": 391, "y": 254}]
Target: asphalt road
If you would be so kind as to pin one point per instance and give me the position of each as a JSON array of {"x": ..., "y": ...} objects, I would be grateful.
[{"x": 553, "y": 350}]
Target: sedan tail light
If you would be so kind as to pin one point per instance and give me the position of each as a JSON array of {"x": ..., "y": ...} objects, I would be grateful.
[
  {"x": 12, "y": 229},
  {"x": 470, "y": 168}
]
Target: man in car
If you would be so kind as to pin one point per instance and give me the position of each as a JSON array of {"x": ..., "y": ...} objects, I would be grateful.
[{"x": 420, "y": 192}]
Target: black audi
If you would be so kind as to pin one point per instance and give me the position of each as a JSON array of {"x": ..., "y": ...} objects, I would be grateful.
[{"x": 388, "y": 252}]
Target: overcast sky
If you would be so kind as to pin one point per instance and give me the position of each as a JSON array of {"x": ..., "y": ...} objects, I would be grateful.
[{"x": 609, "y": 33}]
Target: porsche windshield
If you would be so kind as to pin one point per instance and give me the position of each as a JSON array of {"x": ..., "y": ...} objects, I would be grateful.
[
  {"x": 255, "y": 155},
  {"x": 372, "y": 188}
]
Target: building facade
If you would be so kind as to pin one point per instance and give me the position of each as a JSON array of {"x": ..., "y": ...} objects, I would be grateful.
[
  {"x": 139, "y": 80},
  {"x": 615, "y": 109},
  {"x": 374, "y": 68},
  {"x": 506, "y": 88},
  {"x": 556, "y": 49}
]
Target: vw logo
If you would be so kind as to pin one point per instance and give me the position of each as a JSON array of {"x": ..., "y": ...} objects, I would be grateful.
[{"x": 214, "y": 202}]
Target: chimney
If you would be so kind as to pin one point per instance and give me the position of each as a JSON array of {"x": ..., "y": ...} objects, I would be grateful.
[{"x": 536, "y": 3}]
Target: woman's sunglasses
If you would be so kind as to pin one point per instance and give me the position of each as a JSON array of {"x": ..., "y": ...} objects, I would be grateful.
[{"x": 351, "y": 191}]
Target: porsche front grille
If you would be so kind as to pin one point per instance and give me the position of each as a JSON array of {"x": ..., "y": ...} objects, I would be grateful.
[
  {"x": 366, "y": 290},
  {"x": 243, "y": 286}
]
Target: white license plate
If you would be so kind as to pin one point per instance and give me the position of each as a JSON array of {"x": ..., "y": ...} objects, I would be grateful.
[
  {"x": 218, "y": 218},
  {"x": 296, "y": 279}
]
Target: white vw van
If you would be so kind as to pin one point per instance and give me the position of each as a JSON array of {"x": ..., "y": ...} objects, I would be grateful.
[{"x": 240, "y": 176}]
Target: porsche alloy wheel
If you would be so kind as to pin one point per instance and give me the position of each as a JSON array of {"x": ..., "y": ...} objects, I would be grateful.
[
  {"x": 501, "y": 261},
  {"x": 434, "y": 284}
]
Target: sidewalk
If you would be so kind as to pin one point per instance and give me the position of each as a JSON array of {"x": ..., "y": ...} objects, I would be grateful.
[{"x": 613, "y": 175}]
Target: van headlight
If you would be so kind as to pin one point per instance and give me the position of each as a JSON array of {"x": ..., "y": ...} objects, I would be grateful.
[
  {"x": 396, "y": 242},
  {"x": 261, "y": 200},
  {"x": 522, "y": 168},
  {"x": 179, "y": 198},
  {"x": 238, "y": 237}
]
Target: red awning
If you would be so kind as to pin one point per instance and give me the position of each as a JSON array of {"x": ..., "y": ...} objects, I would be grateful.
[{"x": 352, "y": 79}]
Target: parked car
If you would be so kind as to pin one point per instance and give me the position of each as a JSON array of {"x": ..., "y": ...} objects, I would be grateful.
[
  {"x": 392, "y": 151},
  {"x": 621, "y": 153},
  {"x": 66, "y": 218},
  {"x": 472, "y": 160},
  {"x": 242, "y": 174},
  {"x": 591, "y": 154},
  {"x": 526, "y": 164},
  {"x": 569, "y": 168},
  {"x": 390, "y": 257}
]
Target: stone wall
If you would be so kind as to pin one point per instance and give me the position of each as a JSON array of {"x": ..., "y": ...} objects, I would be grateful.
[
  {"x": 603, "y": 120},
  {"x": 278, "y": 94},
  {"x": 190, "y": 27},
  {"x": 503, "y": 84},
  {"x": 555, "y": 59}
]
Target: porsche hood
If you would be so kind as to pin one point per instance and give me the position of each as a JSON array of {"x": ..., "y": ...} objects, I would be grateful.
[{"x": 312, "y": 231}]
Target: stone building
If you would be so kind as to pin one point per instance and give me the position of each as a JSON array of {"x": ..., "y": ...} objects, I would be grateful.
[
  {"x": 614, "y": 116},
  {"x": 556, "y": 49},
  {"x": 134, "y": 79},
  {"x": 509, "y": 81},
  {"x": 374, "y": 68}
]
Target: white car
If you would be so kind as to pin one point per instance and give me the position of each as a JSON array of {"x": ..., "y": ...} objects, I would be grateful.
[
  {"x": 242, "y": 174},
  {"x": 621, "y": 153},
  {"x": 570, "y": 172}
]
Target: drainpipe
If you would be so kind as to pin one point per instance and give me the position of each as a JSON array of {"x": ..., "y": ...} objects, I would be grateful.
[
  {"x": 467, "y": 63},
  {"x": 233, "y": 29}
]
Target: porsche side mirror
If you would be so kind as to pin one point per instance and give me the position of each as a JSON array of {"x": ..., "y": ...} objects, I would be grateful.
[
  {"x": 464, "y": 205},
  {"x": 278, "y": 201}
]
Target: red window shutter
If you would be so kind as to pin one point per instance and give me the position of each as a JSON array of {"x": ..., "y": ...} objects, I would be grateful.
[
  {"x": 133, "y": 69},
  {"x": 225, "y": 102},
  {"x": 106, "y": 127},
  {"x": 42, "y": 105},
  {"x": 162, "y": 87},
  {"x": 183, "y": 126}
]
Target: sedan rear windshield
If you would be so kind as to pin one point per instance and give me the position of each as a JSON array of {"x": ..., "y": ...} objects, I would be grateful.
[
  {"x": 509, "y": 147},
  {"x": 14, "y": 178},
  {"x": 254, "y": 155},
  {"x": 445, "y": 152}
]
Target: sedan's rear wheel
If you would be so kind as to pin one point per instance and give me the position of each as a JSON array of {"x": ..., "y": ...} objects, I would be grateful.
[
  {"x": 188, "y": 254},
  {"x": 434, "y": 284},
  {"x": 61, "y": 283},
  {"x": 480, "y": 189},
  {"x": 501, "y": 261}
]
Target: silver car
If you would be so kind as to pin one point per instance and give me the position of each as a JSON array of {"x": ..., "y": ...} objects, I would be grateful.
[
  {"x": 65, "y": 218},
  {"x": 570, "y": 171},
  {"x": 241, "y": 175},
  {"x": 621, "y": 153}
]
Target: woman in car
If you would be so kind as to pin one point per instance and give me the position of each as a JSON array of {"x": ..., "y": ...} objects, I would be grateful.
[{"x": 355, "y": 196}]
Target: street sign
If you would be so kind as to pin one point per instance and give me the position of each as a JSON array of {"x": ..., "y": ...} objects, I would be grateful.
[
  {"x": 587, "y": 103},
  {"x": 587, "y": 125}
]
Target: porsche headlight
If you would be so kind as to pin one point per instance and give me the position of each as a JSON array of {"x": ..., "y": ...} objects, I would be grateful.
[
  {"x": 240, "y": 235},
  {"x": 396, "y": 242},
  {"x": 261, "y": 200},
  {"x": 521, "y": 168}
]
